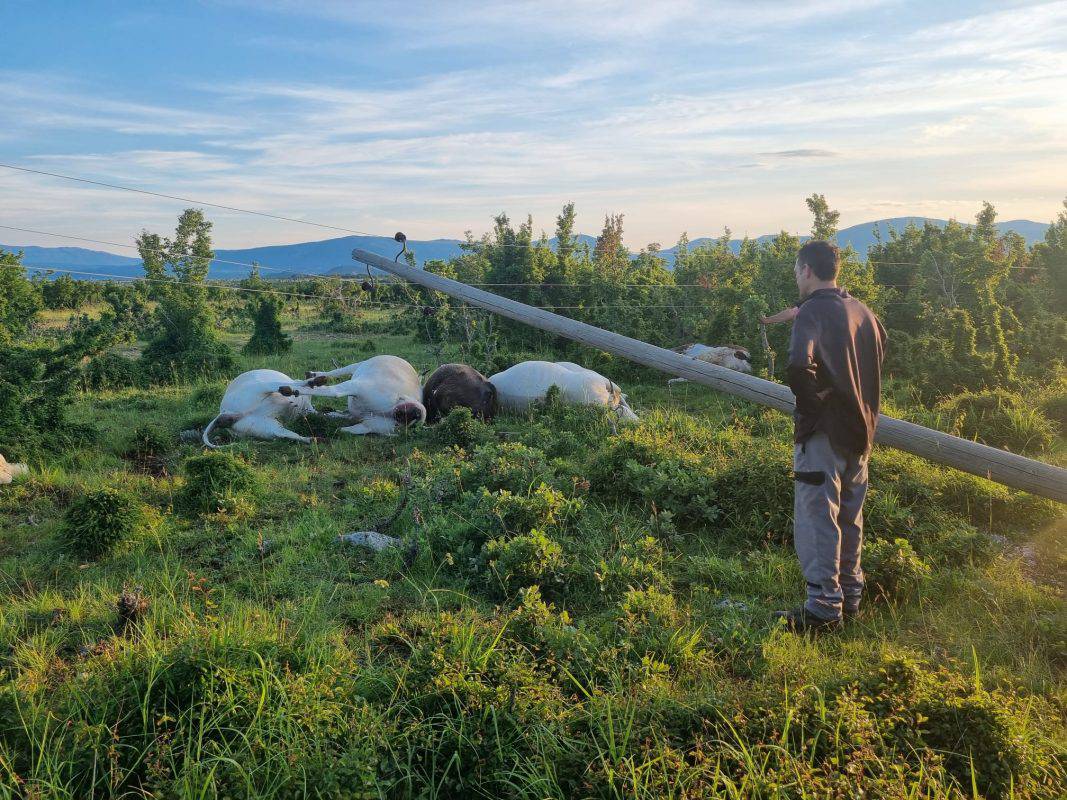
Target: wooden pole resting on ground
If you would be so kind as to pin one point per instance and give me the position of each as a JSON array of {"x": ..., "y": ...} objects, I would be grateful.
[{"x": 1009, "y": 469}]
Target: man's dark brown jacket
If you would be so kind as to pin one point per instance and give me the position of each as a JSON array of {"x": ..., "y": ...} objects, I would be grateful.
[{"x": 835, "y": 370}]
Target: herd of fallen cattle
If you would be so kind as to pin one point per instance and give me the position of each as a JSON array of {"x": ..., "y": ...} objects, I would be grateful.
[{"x": 384, "y": 393}]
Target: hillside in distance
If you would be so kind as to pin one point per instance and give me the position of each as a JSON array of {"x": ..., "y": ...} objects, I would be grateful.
[{"x": 334, "y": 256}]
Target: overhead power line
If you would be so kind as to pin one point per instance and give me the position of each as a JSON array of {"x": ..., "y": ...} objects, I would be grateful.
[{"x": 183, "y": 199}]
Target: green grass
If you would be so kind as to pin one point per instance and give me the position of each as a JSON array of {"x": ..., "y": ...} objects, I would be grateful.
[{"x": 274, "y": 661}]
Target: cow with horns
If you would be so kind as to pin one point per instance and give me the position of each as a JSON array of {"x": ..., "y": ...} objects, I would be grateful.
[{"x": 383, "y": 393}]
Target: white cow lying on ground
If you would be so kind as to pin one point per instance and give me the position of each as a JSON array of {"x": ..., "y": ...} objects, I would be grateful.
[
  {"x": 730, "y": 356},
  {"x": 8, "y": 471},
  {"x": 252, "y": 406},
  {"x": 520, "y": 386},
  {"x": 383, "y": 393}
]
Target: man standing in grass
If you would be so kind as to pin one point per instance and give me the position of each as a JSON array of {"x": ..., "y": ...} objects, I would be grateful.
[{"x": 835, "y": 372}]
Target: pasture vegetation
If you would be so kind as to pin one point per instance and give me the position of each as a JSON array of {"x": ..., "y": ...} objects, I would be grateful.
[{"x": 577, "y": 609}]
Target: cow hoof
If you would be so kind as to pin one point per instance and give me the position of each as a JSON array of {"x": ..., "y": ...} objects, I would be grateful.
[{"x": 288, "y": 391}]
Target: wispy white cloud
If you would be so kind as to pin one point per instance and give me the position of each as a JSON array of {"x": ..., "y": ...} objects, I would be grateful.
[{"x": 943, "y": 115}]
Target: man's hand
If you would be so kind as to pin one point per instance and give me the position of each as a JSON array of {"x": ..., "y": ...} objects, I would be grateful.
[{"x": 785, "y": 315}]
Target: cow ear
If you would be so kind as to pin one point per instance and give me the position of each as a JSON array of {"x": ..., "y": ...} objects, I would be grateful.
[{"x": 741, "y": 354}]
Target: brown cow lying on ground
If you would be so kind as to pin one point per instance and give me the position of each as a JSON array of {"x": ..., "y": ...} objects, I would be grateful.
[{"x": 455, "y": 385}]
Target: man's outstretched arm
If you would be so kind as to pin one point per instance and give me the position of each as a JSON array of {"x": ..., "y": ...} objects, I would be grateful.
[{"x": 785, "y": 315}]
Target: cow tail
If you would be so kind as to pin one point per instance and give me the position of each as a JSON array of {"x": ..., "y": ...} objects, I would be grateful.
[{"x": 207, "y": 432}]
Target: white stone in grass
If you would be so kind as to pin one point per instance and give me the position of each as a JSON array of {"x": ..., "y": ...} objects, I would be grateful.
[{"x": 372, "y": 539}]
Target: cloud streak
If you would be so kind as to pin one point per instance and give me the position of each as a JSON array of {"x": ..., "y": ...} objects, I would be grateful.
[{"x": 630, "y": 108}]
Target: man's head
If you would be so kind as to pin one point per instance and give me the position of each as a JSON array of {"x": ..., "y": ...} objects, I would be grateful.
[{"x": 817, "y": 266}]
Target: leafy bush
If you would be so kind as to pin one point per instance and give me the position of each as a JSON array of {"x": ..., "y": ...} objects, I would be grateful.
[
  {"x": 148, "y": 449},
  {"x": 267, "y": 336},
  {"x": 148, "y": 440},
  {"x": 36, "y": 385},
  {"x": 461, "y": 429},
  {"x": 980, "y": 734},
  {"x": 507, "y": 465},
  {"x": 913, "y": 498},
  {"x": 999, "y": 419},
  {"x": 99, "y": 520},
  {"x": 110, "y": 371},
  {"x": 530, "y": 559},
  {"x": 1054, "y": 408},
  {"x": 754, "y": 491},
  {"x": 642, "y": 465},
  {"x": 219, "y": 481},
  {"x": 187, "y": 345},
  {"x": 892, "y": 568},
  {"x": 632, "y": 565}
]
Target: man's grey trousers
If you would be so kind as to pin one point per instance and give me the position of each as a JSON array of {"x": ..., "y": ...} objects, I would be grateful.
[{"x": 828, "y": 524}]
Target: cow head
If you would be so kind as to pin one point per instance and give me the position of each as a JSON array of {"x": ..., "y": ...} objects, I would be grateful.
[{"x": 409, "y": 413}]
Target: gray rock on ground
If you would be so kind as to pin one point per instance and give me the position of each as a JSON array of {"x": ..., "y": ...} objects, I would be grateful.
[{"x": 372, "y": 539}]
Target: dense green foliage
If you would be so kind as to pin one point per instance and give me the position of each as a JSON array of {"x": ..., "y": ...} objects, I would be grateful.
[
  {"x": 578, "y": 608},
  {"x": 185, "y": 341},
  {"x": 265, "y": 309},
  {"x": 218, "y": 481},
  {"x": 38, "y": 377},
  {"x": 99, "y": 520}
]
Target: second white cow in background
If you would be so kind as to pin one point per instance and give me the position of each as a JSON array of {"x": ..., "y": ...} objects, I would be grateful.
[
  {"x": 522, "y": 385},
  {"x": 253, "y": 406},
  {"x": 384, "y": 393},
  {"x": 730, "y": 356}
]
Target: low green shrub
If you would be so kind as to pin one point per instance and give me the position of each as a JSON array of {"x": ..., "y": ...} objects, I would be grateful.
[
  {"x": 647, "y": 467},
  {"x": 984, "y": 736},
  {"x": 530, "y": 559},
  {"x": 110, "y": 371},
  {"x": 999, "y": 419},
  {"x": 754, "y": 491},
  {"x": 632, "y": 565},
  {"x": 218, "y": 481},
  {"x": 99, "y": 520},
  {"x": 147, "y": 442},
  {"x": 267, "y": 335},
  {"x": 461, "y": 429},
  {"x": 892, "y": 568},
  {"x": 1054, "y": 407},
  {"x": 910, "y": 497},
  {"x": 507, "y": 465}
]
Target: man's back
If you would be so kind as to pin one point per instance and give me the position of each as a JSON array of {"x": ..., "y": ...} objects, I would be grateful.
[{"x": 835, "y": 366}]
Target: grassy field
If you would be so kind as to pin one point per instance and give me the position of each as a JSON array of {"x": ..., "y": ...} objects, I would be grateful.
[{"x": 572, "y": 613}]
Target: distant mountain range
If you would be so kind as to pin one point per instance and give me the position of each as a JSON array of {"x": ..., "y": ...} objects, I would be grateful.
[{"x": 334, "y": 256}]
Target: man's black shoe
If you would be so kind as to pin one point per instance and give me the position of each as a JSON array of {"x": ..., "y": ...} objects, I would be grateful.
[
  {"x": 850, "y": 614},
  {"x": 800, "y": 620}
]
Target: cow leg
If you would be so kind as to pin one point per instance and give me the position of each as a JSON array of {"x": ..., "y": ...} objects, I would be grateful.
[
  {"x": 267, "y": 428},
  {"x": 383, "y": 426},
  {"x": 340, "y": 372},
  {"x": 346, "y": 389}
]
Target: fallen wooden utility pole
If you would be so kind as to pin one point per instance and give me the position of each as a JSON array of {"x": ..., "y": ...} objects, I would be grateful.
[{"x": 989, "y": 462}]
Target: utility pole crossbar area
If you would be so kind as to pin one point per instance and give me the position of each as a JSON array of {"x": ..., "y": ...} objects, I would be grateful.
[{"x": 1000, "y": 466}]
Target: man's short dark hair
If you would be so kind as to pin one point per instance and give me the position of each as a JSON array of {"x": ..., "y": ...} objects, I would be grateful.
[{"x": 822, "y": 257}]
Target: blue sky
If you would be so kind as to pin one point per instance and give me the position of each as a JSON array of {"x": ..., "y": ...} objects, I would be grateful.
[{"x": 431, "y": 117}]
